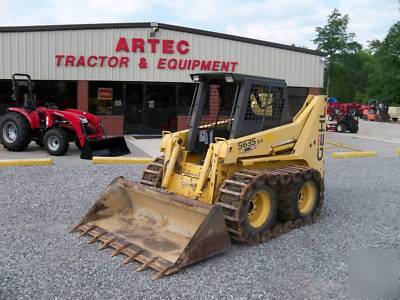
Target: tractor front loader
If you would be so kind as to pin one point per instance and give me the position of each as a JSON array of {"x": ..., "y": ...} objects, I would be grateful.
[
  {"x": 243, "y": 171},
  {"x": 53, "y": 128}
]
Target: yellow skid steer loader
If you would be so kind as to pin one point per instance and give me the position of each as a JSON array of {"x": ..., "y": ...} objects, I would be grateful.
[{"x": 243, "y": 170}]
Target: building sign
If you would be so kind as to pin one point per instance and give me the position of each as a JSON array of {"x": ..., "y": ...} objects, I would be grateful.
[
  {"x": 130, "y": 55},
  {"x": 105, "y": 94}
]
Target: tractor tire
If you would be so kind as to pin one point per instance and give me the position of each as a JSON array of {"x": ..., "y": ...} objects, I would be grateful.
[
  {"x": 78, "y": 144},
  {"x": 258, "y": 210},
  {"x": 15, "y": 132},
  {"x": 281, "y": 186},
  {"x": 254, "y": 213},
  {"x": 354, "y": 129},
  {"x": 301, "y": 201},
  {"x": 340, "y": 128},
  {"x": 39, "y": 141},
  {"x": 56, "y": 141}
]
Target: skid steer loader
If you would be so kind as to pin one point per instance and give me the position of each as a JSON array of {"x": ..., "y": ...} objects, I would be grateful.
[{"x": 243, "y": 171}]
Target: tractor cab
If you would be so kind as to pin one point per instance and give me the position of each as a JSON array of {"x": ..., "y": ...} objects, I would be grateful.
[
  {"x": 229, "y": 106},
  {"x": 23, "y": 92}
]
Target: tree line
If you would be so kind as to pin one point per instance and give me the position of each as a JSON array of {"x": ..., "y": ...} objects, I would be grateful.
[{"x": 355, "y": 73}]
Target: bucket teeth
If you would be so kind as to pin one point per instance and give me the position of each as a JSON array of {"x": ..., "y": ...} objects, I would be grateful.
[
  {"x": 105, "y": 245},
  {"x": 75, "y": 228},
  {"x": 131, "y": 258},
  {"x": 161, "y": 273},
  {"x": 94, "y": 238},
  {"x": 119, "y": 249},
  {"x": 87, "y": 230},
  {"x": 146, "y": 265}
]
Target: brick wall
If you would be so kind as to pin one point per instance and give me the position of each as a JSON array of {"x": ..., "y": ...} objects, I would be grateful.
[
  {"x": 313, "y": 91},
  {"x": 205, "y": 119},
  {"x": 113, "y": 125},
  {"x": 83, "y": 95}
]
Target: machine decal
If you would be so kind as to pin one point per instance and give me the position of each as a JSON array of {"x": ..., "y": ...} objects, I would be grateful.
[
  {"x": 247, "y": 145},
  {"x": 321, "y": 137}
]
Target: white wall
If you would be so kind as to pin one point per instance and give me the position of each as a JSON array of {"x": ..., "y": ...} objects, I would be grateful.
[{"x": 34, "y": 53}]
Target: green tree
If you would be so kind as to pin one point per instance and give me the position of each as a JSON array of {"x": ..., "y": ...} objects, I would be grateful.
[
  {"x": 336, "y": 42},
  {"x": 350, "y": 76},
  {"x": 384, "y": 78}
]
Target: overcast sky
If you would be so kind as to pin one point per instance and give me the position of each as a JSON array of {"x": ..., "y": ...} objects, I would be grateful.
[{"x": 284, "y": 21}]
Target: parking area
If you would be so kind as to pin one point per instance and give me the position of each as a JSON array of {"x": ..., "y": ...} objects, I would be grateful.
[{"x": 41, "y": 260}]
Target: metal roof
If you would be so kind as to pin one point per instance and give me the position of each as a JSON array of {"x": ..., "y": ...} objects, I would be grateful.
[{"x": 160, "y": 26}]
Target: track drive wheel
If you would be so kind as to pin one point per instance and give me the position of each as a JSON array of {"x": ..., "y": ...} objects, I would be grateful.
[
  {"x": 15, "y": 132},
  {"x": 299, "y": 200},
  {"x": 252, "y": 214},
  {"x": 260, "y": 205},
  {"x": 257, "y": 212},
  {"x": 56, "y": 141}
]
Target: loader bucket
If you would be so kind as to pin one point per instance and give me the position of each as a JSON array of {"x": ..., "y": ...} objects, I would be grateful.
[
  {"x": 115, "y": 146},
  {"x": 163, "y": 231}
]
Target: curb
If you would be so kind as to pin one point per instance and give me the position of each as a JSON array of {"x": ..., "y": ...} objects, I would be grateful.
[
  {"x": 354, "y": 154},
  {"x": 26, "y": 162},
  {"x": 121, "y": 160}
]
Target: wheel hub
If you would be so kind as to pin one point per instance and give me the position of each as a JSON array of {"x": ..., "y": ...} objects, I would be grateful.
[
  {"x": 259, "y": 209},
  {"x": 307, "y": 198},
  {"x": 53, "y": 143},
  {"x": 10, "y": 132}
]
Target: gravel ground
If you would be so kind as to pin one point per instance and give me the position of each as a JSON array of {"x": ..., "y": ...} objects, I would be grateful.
[{"x": 39, "y": 259}]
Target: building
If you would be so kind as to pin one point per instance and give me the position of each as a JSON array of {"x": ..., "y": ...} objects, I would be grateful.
[{"x": 135, "y": 76}]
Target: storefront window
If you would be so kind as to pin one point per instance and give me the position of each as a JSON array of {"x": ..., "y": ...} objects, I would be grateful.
[
  {"x": 185, "y": 97},
  {"x": 106, "y": 98},
  {"x": 61, "y": 94},
  {"x": 5, "y": 95}
]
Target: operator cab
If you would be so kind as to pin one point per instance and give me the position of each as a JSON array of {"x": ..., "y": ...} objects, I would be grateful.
[{"x": 229, "y": 106}]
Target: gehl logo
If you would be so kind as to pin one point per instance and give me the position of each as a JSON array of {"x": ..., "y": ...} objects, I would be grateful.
[{"x": 321, "y": 137}]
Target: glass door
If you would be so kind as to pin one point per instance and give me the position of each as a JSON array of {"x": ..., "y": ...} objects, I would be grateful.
[{"x": 134, "y": 108}]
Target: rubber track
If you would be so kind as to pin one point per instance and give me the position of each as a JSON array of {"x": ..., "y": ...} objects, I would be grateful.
[
  {"x": 152, "y": 174},
  {"x": 232, "y": 192}
]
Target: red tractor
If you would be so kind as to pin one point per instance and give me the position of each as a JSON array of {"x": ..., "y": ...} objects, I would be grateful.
[
  {"x": 52, "y": 128},
  {"x": 337, "y": 108}
]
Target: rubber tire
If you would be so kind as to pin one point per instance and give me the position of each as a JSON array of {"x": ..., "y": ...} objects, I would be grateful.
[
  {"x": 39, "y": 141},
  {"x": 330, "y": 118},
  {"x": 250, "y": 231},
  {"x": 288, "y": 209},
  {"x": 354, "y": 129},
  {"x": 23, "y": 132},
  {"x": 395, "y": 119},
  {"x": 342, "y": 128},
  {"x": 78, "y": 144},
  {"x": 62, "y": 137}
]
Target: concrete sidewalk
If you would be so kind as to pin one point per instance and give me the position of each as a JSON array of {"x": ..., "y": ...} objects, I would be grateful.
[{"x": 149, "y": 146}]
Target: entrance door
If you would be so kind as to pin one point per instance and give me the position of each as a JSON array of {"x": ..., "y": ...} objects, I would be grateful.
[
  {"x": 159, "y": 109},
  {"x": 150, "y": 108},
  {"x": 134, "y": 108}
]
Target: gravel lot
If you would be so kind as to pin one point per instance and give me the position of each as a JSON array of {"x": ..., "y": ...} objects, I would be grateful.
[{"x": 39, "y": 259}]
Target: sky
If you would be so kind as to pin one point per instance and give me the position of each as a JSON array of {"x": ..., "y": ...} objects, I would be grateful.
[{"x": 285, "y": 21}]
